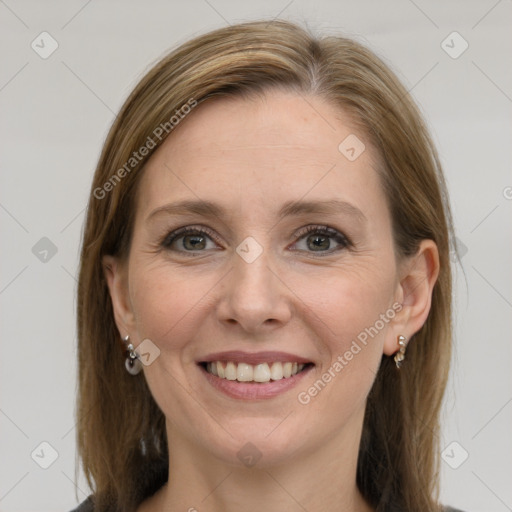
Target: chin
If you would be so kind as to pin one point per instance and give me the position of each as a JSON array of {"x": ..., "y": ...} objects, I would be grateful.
[{"x": 258, "y": 443}]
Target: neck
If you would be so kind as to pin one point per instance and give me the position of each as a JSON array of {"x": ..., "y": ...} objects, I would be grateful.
[{"x": 319, "y": 480}]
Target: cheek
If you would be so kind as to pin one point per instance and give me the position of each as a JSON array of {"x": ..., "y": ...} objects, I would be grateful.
[
  {"x": 167, "y": 302},
  {"x": 351, "y": 313},
  {"x": 346, "y": 301}
]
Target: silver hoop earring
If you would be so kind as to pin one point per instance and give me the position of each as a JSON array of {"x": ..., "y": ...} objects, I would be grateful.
[
  {"x": 132, "y": 362},
  {"x": 400, "y": 355}
]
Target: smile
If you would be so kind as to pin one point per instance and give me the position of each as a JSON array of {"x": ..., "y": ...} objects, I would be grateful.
[
  {"x": 244, "y": 372},
  {"x": 239, "y": 380}
]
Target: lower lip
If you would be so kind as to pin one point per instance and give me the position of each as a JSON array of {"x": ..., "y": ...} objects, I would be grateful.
[{"x": 254, "y": 390}]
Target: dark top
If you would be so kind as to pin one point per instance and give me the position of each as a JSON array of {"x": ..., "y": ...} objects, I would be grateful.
[{"x": 87, "y": 506}]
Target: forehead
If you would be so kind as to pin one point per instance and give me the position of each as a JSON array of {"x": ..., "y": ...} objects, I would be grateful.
[{"x": 261, "y": 152}]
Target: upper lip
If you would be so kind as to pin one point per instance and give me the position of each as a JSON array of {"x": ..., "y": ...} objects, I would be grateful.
[{"x": 254, "y": 358}]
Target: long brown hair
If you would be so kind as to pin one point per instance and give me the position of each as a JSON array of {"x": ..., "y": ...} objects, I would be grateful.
[{"x": 121, "y": 431}]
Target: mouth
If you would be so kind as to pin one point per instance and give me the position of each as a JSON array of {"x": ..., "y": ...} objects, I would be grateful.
[{"x": 254, "y": 376}]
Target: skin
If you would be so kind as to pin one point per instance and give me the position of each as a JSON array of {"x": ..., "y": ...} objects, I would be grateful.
[{"x": 251, "y": 156}]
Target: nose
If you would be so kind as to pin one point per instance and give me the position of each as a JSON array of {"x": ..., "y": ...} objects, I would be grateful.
[{"x": 254, "y": 296}]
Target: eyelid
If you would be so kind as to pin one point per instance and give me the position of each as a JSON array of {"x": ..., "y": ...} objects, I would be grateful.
[{"x": 312, "y": 228}]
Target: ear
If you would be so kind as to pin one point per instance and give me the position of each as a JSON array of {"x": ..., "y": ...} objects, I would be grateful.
[
  {"x": 418, "y": 275},
  {"x": 116, "y": 275}
]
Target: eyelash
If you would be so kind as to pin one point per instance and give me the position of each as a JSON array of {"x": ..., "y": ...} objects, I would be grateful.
[{"x": 339, "y": 237}]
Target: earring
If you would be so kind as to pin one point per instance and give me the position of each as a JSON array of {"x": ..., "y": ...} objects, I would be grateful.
[
  {"x": 400, "y": 355},
  {"x": 132, "y": 362}
]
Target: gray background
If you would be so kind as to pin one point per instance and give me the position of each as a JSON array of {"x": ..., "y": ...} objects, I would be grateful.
[{"x": 55, "y": 114}]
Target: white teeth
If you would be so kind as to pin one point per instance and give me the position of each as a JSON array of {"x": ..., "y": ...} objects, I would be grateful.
[
  {"x": 276, "y": 372},
  {"x": 230, "y": 371},
  {"x": 261, "y": 373},
  {"x": 243, "y": 372}
]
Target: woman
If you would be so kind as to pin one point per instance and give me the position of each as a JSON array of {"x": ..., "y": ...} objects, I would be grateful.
[{"x": 264, "y": 301}]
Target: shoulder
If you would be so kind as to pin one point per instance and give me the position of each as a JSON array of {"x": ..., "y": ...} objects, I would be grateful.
[{"x": 88, "y": 506}]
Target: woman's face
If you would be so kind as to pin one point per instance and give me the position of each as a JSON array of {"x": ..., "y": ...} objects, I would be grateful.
[{"x": 252, "y": 287}]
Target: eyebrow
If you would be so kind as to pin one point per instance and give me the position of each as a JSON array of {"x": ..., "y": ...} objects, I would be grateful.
[{"x": 289, "y": 209}]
